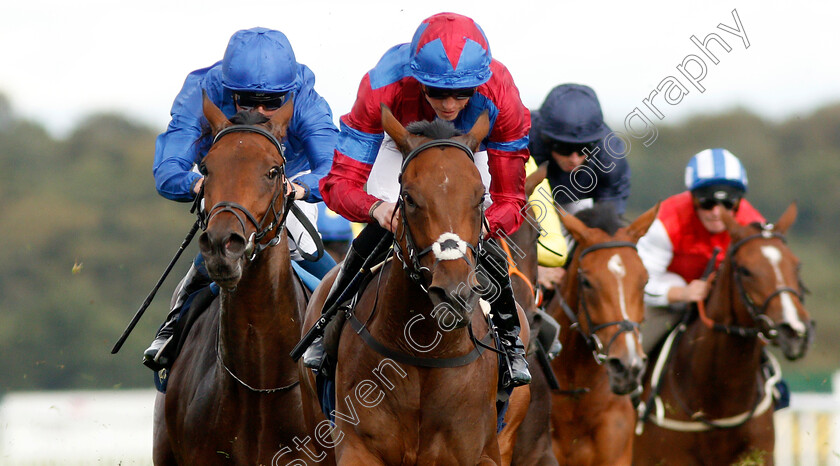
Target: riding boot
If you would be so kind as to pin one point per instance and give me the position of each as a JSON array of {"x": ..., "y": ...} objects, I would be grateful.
[
  {"x": 155, "y": 355},
  {"x": 506, "y": 319},
  {"x": 313, "y": 357}
]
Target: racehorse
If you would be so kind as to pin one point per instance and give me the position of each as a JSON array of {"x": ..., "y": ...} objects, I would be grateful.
[
  {"x": 714, "y": 405},
  {"x": 599, "y": 307},
  {"x": 233, "y": 393},
  {"x": 413, "y": 385}
]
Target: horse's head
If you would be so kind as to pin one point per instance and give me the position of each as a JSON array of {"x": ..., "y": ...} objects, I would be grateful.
[
  {"x": 441, "y": 209},
  {"x": 766, "y": 278},
  {"x": 607, "y": 279},
  {"x": 244, "y": 190}
]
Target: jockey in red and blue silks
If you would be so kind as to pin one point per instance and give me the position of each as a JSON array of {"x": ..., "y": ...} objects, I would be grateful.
[
  {"x": 447, "y": 71},
  {"x": 259, "y": 73}
]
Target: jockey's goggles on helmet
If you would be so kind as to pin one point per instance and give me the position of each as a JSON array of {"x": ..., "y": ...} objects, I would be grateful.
[
  {"x": 566, "y": 149},
  {"x": 709, "y": 196},
  {"x": 251, "y": 100},
  {"x": 443, "y": 93}
]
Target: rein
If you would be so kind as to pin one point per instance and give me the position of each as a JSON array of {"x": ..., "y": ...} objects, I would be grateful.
[{"x": 592, "y": 341}]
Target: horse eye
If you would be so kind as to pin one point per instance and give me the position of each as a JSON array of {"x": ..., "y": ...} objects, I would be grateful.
[
  {"x": 744, "y": 271},
  {"x": 585, "y": 282},
  {"x": 409, "y": 201},
  {"x": 202, "y": 168},
  {"x": 273, "y": 173}
]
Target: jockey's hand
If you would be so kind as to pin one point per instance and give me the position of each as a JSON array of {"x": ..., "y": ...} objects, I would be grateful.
[
  {"x": 697, "y": 290},
  {"x": 384, "y": 214},
  {"x": 550, "y": 277},
  {"x": 298, "y": 190},
  {"x": 197, "y": 186}
]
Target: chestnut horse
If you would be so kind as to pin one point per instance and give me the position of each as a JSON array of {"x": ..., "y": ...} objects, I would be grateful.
[
  {"x": 233, "y": 393},
  {"x": 713, "y": 404},
  {"x": 413, "y": 385},
  {"x": 599, "y": 307}
]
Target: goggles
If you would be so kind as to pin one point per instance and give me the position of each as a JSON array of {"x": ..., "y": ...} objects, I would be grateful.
[
  {"x": 251, "y": 100},
  {"x": 443, "y": 93},
  {"x": 709, "y": 203},
  {"x": 566, "y": 149}
]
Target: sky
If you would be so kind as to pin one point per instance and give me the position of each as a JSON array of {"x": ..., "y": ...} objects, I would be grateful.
[{"x": 62, "y": 61}]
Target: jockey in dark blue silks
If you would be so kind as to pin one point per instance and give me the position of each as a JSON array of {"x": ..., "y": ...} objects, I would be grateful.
[
  {"x": 258, "y": 72},
  {"x": 572, "y": 144}
]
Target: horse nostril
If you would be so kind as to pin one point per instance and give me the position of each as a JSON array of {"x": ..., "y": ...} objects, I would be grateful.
[
  {"x": 615, "y": 365},
  {"x": 234, "y": 245},
  {"x": 205, "y": 244},
  {"x": 438, "y": 294}
]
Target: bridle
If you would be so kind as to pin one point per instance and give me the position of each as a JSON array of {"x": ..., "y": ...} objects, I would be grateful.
[
  {"x": 277, "y": 223},
  {"x": 599, "y": 351},
  {"x": 765, "y": 326},
  {"x": 410, "y": 257}
]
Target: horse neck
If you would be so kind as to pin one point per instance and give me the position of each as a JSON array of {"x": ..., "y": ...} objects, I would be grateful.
[
  {"x": 720, "y": 362},
  {"x": 260, "y": 319},
  {"x": 400, "y": 301}
]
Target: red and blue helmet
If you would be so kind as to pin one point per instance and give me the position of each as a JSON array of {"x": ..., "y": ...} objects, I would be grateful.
[
  {"x": 450, "y": 51},
  {"x": 259, "y": 60}
]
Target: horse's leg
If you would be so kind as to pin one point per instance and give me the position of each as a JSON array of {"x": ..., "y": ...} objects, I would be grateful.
[
  {"x": 161, "y": 449},
  {"x": 352, "y": 452},
  {"x": 519, "y": 400},
  {"x": 517, "y": 409}
]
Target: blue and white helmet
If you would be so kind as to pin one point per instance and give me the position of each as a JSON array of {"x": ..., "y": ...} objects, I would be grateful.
[{"x": 713, "y": 167}]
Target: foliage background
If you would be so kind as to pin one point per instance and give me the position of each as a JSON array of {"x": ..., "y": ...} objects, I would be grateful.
[{"x": 85, "y": 235}]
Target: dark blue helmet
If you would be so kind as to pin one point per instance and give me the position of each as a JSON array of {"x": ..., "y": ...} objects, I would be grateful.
[{"x": 571, "y": 113}]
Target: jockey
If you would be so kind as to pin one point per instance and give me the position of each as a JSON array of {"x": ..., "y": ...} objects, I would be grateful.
[
  {"x": 258, "y": 73},
  {"x": 681, "y": 240},
  {"x": 447, "y": 72},
  {"x": 583, "y": 165}
]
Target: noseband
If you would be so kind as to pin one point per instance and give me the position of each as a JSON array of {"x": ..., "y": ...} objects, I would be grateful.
[
  {"x": 756, "y": 312},
  {"x": 410, "y": 257},
  {"x": 600, "y": 352},
  {"x": 254, "y": 246}
]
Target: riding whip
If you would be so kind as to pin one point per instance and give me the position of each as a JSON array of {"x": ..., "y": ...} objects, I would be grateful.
[{"x": 151, "y": 295}]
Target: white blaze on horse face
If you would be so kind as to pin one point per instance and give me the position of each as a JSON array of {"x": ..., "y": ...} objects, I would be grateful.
[
  {"x": 789, "y": 314},
  {"x": 616, "y": 266},
  {"x": 455, "y": 247}
]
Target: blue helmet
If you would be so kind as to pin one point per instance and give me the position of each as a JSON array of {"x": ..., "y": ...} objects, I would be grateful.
[
  {"x": 450, "y": 51},
  {"x": 571, "y": 113},
  {"x": 715, "y": 167},
  {"x": 259, "y": 60}
]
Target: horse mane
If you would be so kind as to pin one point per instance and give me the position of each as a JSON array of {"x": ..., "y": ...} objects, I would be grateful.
[
  {"x": 602, "y": 216},
  {"x": 435, "y": 129}
]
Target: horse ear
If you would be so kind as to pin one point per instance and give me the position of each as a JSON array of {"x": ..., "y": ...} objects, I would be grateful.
[
  {"x": 218, "y": 121},
  {"x": 575, "y": 227},
  {"x": 787, "y": 218},
  {"x": 640, "y": 226},
  {"x": 280, "y": 120},
  {"x": 478, "y": 132},
  {"x": 405, "y": 141}
]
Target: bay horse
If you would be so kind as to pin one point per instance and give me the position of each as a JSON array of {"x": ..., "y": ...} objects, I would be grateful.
[
  {"x": 233, "y": 394},
  {"x": 714, "y": 406},
  {"x": 412, "y": 383},
  {"x": 599, "y": 307}
]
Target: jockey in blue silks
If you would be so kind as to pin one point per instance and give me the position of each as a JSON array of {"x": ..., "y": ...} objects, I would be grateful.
[{"x": 258, "y": 72}]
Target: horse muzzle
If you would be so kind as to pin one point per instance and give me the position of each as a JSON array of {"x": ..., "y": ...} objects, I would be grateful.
[
  {"x": 794, "y": 343},
  {"x": 224, "y": 254}
]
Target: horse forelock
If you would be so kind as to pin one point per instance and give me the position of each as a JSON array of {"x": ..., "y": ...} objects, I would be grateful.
[
  {"x": 601, "y": 216},
  {"x": 435, "y": 129}
]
